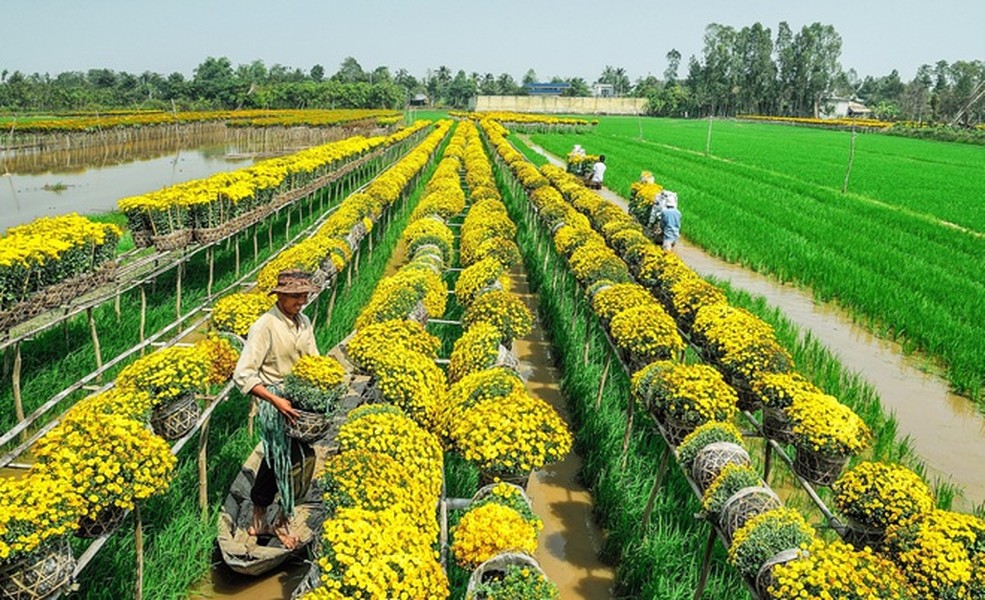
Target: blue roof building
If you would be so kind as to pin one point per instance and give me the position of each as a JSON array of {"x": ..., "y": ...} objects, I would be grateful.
[{"x": 546, "y": 89}]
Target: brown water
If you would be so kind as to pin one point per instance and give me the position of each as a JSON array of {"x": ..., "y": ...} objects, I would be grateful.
[
  {"x": 278, "y": 584},
  {"x": 945, "y": 430},
  {"x": 570, "y": 542}
]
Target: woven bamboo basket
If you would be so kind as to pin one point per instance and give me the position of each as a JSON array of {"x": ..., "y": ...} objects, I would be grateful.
[
  {"x": 819, "y": 469},
  {"x": 676, "y": 429},
  {"x": 141, "y": 238},
  {"x": 494, "y": 568},
  {"x": 860, "y": 535},
  {"x": 174, "y": 419},
  {"x": 172, "y": 241},
  {"x": 711, "y": 459},
  {"x": 490, "y": 478},
  {"x": 744, "y": 505},
  {"x": 106, "y": 522},
  {"x": 308, "y": 426},
  {"x": 487, "y": 489},
  {"x": 777, "y": 425},
  {"x": 764, "y": 579},
  {"x": 43, "y": 573}
]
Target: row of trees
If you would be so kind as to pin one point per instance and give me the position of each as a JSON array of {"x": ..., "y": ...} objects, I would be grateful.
[
  {"x": 750, "y": 71},
  {"x": 747, "y": 70}
]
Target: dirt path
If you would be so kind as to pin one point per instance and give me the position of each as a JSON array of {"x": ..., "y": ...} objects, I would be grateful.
[
  {"x": 570, "y": 542},
  {"x": 946, "y": 430}
]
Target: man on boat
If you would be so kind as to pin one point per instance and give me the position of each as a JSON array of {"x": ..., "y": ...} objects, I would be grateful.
[{"x": 274, "y": 343}]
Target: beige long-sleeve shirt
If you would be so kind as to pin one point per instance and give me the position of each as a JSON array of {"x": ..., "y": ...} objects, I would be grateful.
[{"x": 274, "y": 343}]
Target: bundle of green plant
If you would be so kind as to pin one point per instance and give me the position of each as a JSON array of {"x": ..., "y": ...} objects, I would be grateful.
[{"x": 315, "y": 383}]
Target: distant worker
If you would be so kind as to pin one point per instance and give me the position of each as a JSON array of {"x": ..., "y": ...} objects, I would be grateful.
[
  {"x": 670, "y": 223},
  {"x": 597, "y": 175}
]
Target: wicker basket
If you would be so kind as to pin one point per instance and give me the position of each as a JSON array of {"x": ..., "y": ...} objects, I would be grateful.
[
  {"x": 489, "y": 478},
  {"x": 174, "y": 419},
  {"x": 860, "y": 535},
  {"x": 494, "y": 568},
  {"x": 172, "y": 241},
  {"x": 777, "y": 425},
  {"x": 764, "y": 579},
  {"x": 676, "y": 429},
  {"x": 107, "y": 522},
  {"x": 419, "y": 313},
  {"x": 711, "y": 459},
  {"x": 212, "y": 235},
  {"x": 744, "y": 505},
  {"x": 308, "y": 426},
  {"x": 747, "y": 399},
  {"x": 141, "y": 238},
  {"x": 505, "y": 358},
  {"x": 817, "y": 468},
  {"x": 487, "y": 489},
  {"x": 40, "y": 574}
]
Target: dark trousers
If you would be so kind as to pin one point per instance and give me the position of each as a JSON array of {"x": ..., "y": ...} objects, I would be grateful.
[{"x": 265, "y": 485}]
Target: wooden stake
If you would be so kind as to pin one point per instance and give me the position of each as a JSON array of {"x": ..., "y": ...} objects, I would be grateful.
[
  {"x": 95, "y": 343},
  {"x": 705, "y": 565},
  {"x": 16, "y": 384},
  {"x": 767, "y": 461},
  {"x": 116, "y": 306},
  {"x": 177, "y": 291},
  {"x": 331, "y": 306},
  {"x": 256, "y": 251},
  {"x": 605, "y": 374},
  {"x": 237, "y": 257},
  {"x": 203, "y": 482},
  {"x": 143, "y": 314},
  {"x": 657, "y": 484},
  {"x": 270, "y": 236},
  {"x": 287, "y": 225},
  {"x": 138, "y": 535},
  {"x": 211, "y": 257},
  {"x": 630, "y": 412},
  {"x": 851, "y": 159}
]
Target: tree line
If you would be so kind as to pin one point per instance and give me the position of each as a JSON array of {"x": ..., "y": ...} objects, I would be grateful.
[{"x": 740, "y": 71}]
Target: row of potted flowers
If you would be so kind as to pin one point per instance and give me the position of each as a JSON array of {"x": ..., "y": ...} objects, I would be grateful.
[
  {"x": 887, "y": 506},
  {"x": 101, "y": 459},
  {"x": 733, "y": 492},
  {"x": 326, "y": 253},
  {"x": 52, "y": 260},
  {"x": 207, "y": 209}
]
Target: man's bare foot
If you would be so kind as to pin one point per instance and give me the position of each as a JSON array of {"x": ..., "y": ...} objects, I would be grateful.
[
  {"x": 283, "y": 533},
  {"x": 258, "y": 523}
]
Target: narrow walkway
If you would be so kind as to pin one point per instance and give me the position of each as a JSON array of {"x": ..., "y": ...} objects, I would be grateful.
[
  {"x": 946, "y": 431},
  {"x": 570, "y": 542}
]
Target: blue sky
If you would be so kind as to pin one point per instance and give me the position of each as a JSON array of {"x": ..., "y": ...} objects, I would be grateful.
[{"x": 569, "y": 38}]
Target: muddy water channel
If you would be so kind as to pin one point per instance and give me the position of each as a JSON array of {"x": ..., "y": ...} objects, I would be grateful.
[
  {"x": 570, "y": 542},
  {"x": 945, "y": 430}
]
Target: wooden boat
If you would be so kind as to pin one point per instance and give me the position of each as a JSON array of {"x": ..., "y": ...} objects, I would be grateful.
[{"x": 252, "y": 555}]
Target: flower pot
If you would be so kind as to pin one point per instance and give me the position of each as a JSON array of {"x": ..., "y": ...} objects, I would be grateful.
[
  {"x": 174, "y": 419},
  {"x": 777, "y": 425},
  {"x": 106, "y": 522},
  {"x": 860, "y": 535},
  {"x": 744, "y": 505},
  {"x": 711, "y": 459},
  {"x": 818, "y": 468},
  {"x": 487, "y": 489},
  {"x": 39, "y": 574},
  {"x": 489, "y": 478},
  {"x": 172, "y": 241},
  {"x": 747, "y": 399},
  {"x": 676, "y": 428},
  {"x": 494, "y": 569},
  {"x": 308, "y": 426},
  {"x": 764, "y": 579}
]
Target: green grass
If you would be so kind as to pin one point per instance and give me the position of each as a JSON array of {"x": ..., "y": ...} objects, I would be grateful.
[
  {"x": 178, "y": 543},
  {"x": 846, "y": 249}
]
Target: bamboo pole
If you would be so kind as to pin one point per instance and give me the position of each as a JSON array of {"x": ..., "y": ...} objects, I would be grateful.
[
  {"x": 177, "y": 291},
  {"x": 705, "y": 565},
  {"x": 116, "y": 306},
  {"x": 208, "y": 287},
  {"x": 331, "y": 306},
  {"x": 143, "y": 315},
  {"x": 95, "y": 344},
  {"x": 252, "y": 416},
  {"x": 139, "y": 540},
  {"x": 203, "y": 473},
  {"x": 605, "y": 375},
  {"x": 657, "y": 483},
  {"x": 256, "y": 251},
  {"x": 270, "y": 236},
  {"x": 630, "y": 413},
  {"x": 16, "y": 384},
  {"x": 851, "y": 159},
  {"x": 237, "y": 256}
]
